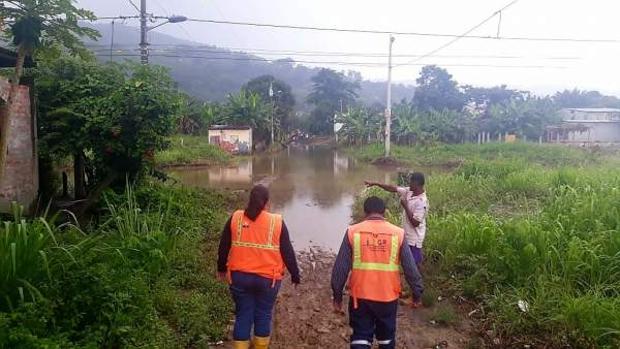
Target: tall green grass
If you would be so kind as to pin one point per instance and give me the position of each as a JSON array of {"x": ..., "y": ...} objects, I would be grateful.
[
  {"x": 540, "y": 228},
  {"x": 452, "y": 155},
  {"x": 185, "y": 150},
  {"x": 140, "y": 279}
]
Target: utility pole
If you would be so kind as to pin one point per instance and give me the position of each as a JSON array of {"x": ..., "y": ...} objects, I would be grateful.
[
  {"x": 273, "y": 110},
  {"x": 388, "y": 109},
  {"x": 144, "y": 50}
]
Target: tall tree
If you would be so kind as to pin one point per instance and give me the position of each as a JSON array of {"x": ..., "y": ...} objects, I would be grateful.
[
  {"x": 110, "y": 118},
  {"x": 69, "y": 89},
  {"x": 51, "y": 23},
  {"x": 584, "y": 99},
  {"x": 331, "y": 91},
  {"x": 248, "y": 109},
  {"x": 282, "y": 101},
  {"x": 436, "y": 90}
]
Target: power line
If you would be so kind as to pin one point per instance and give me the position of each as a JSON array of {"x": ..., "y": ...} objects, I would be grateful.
[
  {"x": 393, "y": 32},
  {"x": 270, "y": 52},
  {"x": 134, "y": 5},
  {"x": 467, "y": 32},
  {"x": 370, "y": 64},
  {"x": 403, "y": 33}
]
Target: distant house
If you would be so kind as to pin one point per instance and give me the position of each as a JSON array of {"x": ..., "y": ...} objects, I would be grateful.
[
  {"x": 584, "y": 126},
  {"x": 233, "y": 139}
]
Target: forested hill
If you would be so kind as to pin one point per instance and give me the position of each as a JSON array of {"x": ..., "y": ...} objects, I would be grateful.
[{"x": 222, "y": 71}]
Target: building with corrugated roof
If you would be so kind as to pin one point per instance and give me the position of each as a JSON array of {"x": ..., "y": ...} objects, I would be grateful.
[{"x": 584, "y": 126}]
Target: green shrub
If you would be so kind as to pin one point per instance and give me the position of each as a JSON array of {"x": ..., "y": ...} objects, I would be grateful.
[{"x": 185, "y": 150}]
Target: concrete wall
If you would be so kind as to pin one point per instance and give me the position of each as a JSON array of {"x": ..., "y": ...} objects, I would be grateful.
[
  {"x": 20, "y": 181},
  {"x": 600, "y": 132},
  {"x": 233, "y": 141}
]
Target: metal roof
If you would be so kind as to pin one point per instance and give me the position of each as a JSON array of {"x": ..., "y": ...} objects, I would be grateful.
[
  {"x": 594, "y": 110},
  {"x": 228, "y": 127}
]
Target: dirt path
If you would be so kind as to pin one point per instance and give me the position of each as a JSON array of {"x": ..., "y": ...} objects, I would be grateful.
[{"x": 304, "y": 317}]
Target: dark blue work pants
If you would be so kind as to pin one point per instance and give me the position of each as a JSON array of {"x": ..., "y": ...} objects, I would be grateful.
[
  {"x": 373, "y": 319},
  {"x": 254, "y": 299}
]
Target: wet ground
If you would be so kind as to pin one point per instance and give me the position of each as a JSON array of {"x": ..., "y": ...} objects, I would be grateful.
[
  {"x": 304, "y": 317},
  {"x": 314, "y": 189}
]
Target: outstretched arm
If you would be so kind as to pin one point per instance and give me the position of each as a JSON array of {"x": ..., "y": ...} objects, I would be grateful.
[{"x": 386, "y": 187}]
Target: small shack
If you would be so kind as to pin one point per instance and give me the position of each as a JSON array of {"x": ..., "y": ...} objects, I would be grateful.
[
  {"x": 233, "y": 139},
  {"x": 584, "y": 126}
]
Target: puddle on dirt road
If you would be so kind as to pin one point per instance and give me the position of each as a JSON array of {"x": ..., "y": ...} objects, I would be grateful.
[{"x": 312, "y": 187}]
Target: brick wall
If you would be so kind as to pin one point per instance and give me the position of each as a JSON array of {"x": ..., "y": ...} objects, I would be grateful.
[{"x": 20, "y": 180}]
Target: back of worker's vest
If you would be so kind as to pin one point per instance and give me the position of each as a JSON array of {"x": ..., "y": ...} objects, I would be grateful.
[
  {"x": 375, "y": 273},
  {"x": 256, "y": 245}
]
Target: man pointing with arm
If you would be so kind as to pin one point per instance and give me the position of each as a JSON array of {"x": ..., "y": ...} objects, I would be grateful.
[
  {"x": 414, "y": 202},
  {"x": 373, "y": 252}
]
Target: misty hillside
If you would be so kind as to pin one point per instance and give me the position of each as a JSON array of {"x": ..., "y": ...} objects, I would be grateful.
[{"x": 211, "y": 73}]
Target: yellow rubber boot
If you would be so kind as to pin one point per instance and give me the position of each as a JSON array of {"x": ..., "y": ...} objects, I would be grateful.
[
  {"x": 261, "y": 342},
  {"x": 241, "y": 345}
]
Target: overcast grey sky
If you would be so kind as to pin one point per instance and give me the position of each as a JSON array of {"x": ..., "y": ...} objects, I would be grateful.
[{"x": 567, "y": 65}]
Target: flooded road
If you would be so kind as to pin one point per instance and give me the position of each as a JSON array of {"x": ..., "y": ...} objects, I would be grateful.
[{"x": 312, "y": 187}]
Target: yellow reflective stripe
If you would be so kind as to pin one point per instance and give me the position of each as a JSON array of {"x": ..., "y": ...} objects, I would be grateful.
[
  {"x": 253, "y": 245},
  {"x": 272, "y": 227},
  {"x": 394, "y": 254},
  {"x": 357, "y": 256},
  {"x": 357, "y": 249},
  {"x": 239, "y": 226}
]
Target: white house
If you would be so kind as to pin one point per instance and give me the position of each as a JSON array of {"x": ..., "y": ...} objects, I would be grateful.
[
  {"x": 233, "y": 139},
  {"x": 587, "y": 126}
]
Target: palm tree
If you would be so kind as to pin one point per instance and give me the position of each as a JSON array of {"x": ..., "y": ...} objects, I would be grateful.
[{"x": 247, "y": 109}]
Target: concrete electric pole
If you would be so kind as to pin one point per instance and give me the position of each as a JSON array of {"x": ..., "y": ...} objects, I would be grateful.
[
  {"x": 144, "y": 46},
  {"x": 388, "y": 108}
]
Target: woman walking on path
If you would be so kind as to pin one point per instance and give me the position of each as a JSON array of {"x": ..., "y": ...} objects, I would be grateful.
[{"x": 254, "y": 250}]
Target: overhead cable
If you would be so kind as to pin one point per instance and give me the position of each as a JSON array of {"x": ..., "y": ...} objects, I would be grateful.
[{"x": 370, "y": 64}]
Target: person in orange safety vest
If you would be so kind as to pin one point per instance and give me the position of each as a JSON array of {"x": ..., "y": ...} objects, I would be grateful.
[
  {"x": 373, "y": 252},
  {"x": 255, "y": 248}
]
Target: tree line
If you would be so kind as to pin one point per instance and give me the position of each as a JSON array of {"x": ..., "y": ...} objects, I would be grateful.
[{"x": 441, "y": 110}]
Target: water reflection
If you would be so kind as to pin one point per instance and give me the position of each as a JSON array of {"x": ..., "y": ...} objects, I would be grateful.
[{"x": 313, "y": 188}]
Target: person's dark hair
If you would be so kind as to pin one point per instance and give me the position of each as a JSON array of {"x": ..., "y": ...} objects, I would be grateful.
[
  {"x": 374, "y": 205},
  {"x": 417, "y": 178},
  {"x": 259, "y": 196}
]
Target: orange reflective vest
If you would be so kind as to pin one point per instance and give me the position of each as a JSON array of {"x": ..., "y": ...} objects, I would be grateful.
[
  {"x": 256, "y": 245},
  {"x": 375, "y": 273}
]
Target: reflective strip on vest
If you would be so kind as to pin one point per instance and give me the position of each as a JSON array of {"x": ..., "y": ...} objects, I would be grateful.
[
  {"x": 268, "y": 246},
  {"x": 357, "y": 256}
]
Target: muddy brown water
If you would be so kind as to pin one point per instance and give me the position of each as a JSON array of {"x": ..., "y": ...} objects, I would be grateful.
[{"x": 312, "y": 187}]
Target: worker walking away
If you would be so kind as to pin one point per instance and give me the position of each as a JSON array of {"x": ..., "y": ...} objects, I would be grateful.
[
  {"x": 372, "y": 252},
  {"x": 414, "y": 202},
  {"x": 254, "y": 250}
]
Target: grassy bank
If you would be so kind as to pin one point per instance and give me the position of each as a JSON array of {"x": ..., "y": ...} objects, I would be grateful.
[
  {"x": 142, "y": 278},
  {"x": 188, "y": 150},
  {"x": 519, "y": 224},
  {"x": 453, "y": 155}
]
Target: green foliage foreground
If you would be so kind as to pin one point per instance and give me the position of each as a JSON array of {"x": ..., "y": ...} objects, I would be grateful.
[
  {"x": 531, "y": 225},
  {"x": 140, "y": 279}
]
